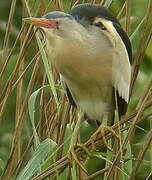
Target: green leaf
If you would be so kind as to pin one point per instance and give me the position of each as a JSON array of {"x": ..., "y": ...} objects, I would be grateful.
[
  {"x": 38, "y": 157},
  {"x": 31, "y": 107},
  {"x": 137, "y": 29},
  {"x": 48, "y": 70},
  {"x": 107, "y": 3}
]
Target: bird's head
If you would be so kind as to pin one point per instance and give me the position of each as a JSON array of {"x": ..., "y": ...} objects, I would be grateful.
[
  {"x": 88, "y": 23},
  {"x": 57, "y": 24}
]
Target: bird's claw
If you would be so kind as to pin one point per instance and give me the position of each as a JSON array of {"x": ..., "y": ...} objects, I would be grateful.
[
  {"x": 102, "y": 130},
  {"x": 72, "y": 155},
  {"x": 84, "y": 148}
]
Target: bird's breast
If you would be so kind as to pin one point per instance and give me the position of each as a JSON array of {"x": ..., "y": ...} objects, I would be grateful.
[
  {"x": 87, "y": 71},
  {"x": 77, "y": 62}
]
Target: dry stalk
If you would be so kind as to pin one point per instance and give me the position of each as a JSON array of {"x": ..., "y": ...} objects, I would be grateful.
[
  {"x": 7, "y": 34},
  {"x": 138, "y": 61},
  {"x": 141, "y": 156},
  {"x": 54, "y": 126},
  {"x": 61, "y": 163},
  {"x": 121, "y": 11},
  {"x": 128, "y": 7},
  {"x": 131, "y": 130},
  {"x": 7, "y": 172}
]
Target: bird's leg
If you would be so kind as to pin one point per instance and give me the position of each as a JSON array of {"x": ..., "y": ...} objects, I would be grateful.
[
  {"x": 101, "y": 130},
  {"x": 71, "y": 152}
]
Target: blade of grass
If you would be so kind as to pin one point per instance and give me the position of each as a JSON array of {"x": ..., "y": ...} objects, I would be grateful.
[
  {"x": 106, "y": 3},
  {"x": 48, "y": 70},
  {"x": 74, "y": 171},
  {"x": 137, "y": 29},
  {"x": 39, "y": 155},
  {"x": 31, "y": 108}
]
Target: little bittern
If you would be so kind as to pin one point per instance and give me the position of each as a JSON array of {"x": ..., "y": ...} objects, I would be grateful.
[{"x": 92, "y": 53}]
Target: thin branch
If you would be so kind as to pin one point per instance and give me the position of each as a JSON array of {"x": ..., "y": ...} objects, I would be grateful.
[
  {"x": 138, "y": 61},
  {"x": 141, "y": 156},
  {"x": 128, "y": 7}
]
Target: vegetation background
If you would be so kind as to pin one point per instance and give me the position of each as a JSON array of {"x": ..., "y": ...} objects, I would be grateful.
[{"x": 22, "y": 72}]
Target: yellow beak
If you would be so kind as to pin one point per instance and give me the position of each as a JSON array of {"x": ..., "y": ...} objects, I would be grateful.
[{"x": 42, "y": 22}]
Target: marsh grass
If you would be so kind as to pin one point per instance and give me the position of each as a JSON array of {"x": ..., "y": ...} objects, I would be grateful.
[{"x": 24, "y": 70}]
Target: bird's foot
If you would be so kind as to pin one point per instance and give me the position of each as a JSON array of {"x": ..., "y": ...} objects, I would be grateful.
[
  {"x": 101, "y": 130},
  {"x": 72, "y": 155},
  {"x": 84, "y": 148}
]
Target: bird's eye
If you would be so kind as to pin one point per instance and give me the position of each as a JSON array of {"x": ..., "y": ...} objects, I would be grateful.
[
  {"x": 57, "y": 24},
  {"x": 101, "y": 25}
]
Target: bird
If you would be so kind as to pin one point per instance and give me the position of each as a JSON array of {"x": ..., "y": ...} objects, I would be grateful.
[{"x": 93, "y": 55}]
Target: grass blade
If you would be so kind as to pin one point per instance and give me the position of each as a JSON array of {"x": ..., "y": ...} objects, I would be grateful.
[{"x": 39, "y": 155}]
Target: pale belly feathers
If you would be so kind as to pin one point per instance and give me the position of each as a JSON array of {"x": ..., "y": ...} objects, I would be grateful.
[{"x": 89, "y": 80}]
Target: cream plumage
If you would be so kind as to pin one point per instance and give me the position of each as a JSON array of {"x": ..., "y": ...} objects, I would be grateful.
[{"x": 92, "y": 53}]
